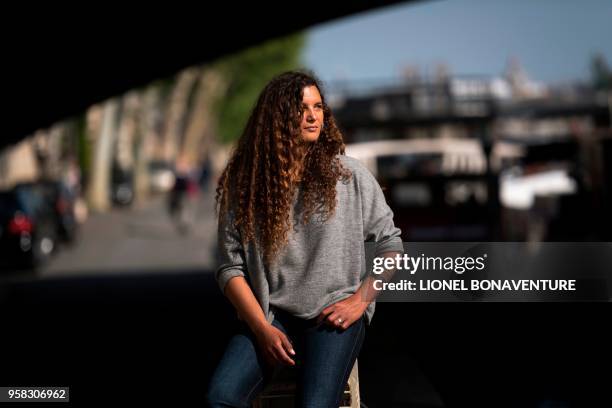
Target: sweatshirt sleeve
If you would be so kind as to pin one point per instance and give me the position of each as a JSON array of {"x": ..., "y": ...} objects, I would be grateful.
[
  {"x": 378, "y": 223},
  {"x": 231, "y": 258}
]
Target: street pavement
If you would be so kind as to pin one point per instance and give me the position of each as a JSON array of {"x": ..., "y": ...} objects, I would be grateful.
[{"x": 137, "y": 240}]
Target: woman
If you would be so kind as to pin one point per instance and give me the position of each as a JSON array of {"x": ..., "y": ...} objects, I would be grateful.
[{"x": 294, "y": 213}]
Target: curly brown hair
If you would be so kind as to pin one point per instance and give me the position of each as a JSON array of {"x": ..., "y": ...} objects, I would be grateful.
[{"x": 260, "y": 181}]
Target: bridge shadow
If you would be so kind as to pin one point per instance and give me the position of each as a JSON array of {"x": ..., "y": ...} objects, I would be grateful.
[{"x": 155, "y": 338}]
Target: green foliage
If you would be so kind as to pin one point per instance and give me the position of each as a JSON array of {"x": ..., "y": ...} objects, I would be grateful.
[
  {"x": 246, "y": 74},
  {"x": 84, "y": 147}
]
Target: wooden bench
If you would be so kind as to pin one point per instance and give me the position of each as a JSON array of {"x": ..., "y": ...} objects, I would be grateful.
[{"x": 281, "y": 392}]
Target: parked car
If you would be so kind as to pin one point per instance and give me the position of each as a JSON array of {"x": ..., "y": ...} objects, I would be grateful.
[
  {"x": 122, "y": 191},
  {"x": 63, "y": 201},
  {"x": 28, "y": 227}
]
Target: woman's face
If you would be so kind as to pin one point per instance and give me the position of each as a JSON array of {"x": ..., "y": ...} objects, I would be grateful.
[{"x": 312, "y": 116}]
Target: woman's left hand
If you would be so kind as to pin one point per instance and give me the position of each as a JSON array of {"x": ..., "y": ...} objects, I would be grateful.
[{"x": 343, "y": 313}]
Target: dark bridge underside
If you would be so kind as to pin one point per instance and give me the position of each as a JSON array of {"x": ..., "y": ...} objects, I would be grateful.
[{"x": 56, "y": 64}]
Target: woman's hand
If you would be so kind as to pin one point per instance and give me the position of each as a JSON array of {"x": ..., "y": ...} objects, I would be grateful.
[
  {"x": 343, "y": 313},
  {"x": 273, "y": 342},
  {"x": 275, "y": 345}
]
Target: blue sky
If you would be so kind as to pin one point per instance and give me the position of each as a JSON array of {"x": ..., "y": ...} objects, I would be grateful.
[{"x": 554, "y": 39}]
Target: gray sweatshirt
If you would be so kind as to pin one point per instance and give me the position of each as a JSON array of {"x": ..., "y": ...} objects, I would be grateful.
[{"x": 322, "y": 263}]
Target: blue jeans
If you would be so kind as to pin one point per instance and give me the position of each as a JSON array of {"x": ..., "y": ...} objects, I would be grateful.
[{"x": 324, "y": 359}]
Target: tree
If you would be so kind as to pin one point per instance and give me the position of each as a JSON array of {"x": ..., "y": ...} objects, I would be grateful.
[
  {"x": 202, "y": 123},
  {"x": 178, "y": 107},
  {"x": 104, "y": 131},
  {"x": 246, "y": 74}
]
